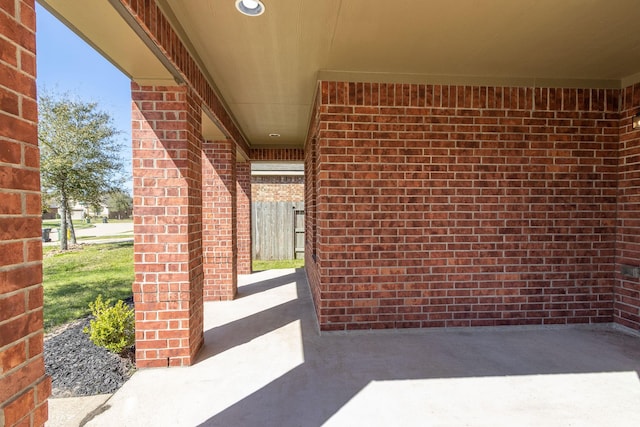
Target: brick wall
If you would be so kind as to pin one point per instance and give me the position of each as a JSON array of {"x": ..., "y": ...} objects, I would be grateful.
[
  {"x": 310, "y": 211},
  {"x": 464, "y": 206},
  {"x": 276, "y": 154},
  {"x": 167, "y": 184},
  {"x": 627, "y": 289},
  {"x": 220, "y": 226},
  {"x": 24, "y": 388},
  {"x": 277, "y": 188},
  {"x": 243, "y": 203},
  {"x": 271, "y": 188}
]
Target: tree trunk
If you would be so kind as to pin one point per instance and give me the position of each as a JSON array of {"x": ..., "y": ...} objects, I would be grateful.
[
  {"x": 73, "y": 231},
  {"x": 63, "y": 224}
]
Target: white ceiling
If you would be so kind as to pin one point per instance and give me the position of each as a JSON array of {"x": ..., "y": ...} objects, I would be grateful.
[{"x": 266, "y": 67}]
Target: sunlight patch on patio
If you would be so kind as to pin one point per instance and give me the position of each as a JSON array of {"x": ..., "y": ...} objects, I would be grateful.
[{"x": 578, "y": 399}]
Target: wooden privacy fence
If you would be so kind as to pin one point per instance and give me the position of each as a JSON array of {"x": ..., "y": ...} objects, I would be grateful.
[{"x": 277, "y": 230}]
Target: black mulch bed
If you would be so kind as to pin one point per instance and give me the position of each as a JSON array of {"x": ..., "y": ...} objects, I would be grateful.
[{"x": 78, "y": 367}]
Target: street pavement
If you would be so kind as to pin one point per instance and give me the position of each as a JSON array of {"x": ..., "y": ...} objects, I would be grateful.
[{"x": 122, "y": 231}]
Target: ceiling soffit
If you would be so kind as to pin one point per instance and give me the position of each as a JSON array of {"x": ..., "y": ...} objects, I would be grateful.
[
  {"x": 102, "y": 27},
  {"x": 266, "y": 68}
]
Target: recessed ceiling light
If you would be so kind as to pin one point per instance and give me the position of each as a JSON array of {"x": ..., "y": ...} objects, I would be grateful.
[
  {"x": 274, "y": 135},
  {"x": 250, "y": 7}
]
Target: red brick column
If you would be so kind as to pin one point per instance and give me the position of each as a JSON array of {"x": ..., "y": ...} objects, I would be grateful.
[
  {"x": 243, "y": 203},
  {"x": 24, "y": 388},
  {"x": 167, "y": 184},
  {"x": 219, "y": 220}
]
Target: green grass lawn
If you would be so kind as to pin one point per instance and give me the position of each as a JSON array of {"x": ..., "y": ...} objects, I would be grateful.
[
  {"x": 115, "y": 236},
  {"x": 75, "y": 278},
  {"x": 260, "y": 265}
]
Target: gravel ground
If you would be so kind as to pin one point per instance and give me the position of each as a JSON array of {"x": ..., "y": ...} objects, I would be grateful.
[{"x": 79, "y": 368}]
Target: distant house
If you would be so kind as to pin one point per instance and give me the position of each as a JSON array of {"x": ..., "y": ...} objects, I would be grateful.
[
  {"x": 79, "y": 212},
  {"x": 51, "y": 212},
  {"x": 277, "y": 182}
]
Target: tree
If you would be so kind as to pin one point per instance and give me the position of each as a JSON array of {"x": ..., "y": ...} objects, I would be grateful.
[
  {"x": 79, "y": 154},
  {"x": 46, "y": 201},
  {"x": 120, "y": 202}
]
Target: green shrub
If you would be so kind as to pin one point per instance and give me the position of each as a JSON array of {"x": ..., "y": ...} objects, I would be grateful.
[{"x": 113, "y": 327}]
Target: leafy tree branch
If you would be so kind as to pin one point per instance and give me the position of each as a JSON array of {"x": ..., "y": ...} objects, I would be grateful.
[{"x": 79, "y": 154}]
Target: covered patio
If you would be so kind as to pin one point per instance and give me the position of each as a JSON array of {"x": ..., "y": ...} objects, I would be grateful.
[
  {"x": 264, "y": 364},
  {"x": 467, "y": 164}
]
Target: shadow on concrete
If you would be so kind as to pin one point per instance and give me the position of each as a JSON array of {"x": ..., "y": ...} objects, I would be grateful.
[
  {"x": 244, "y": 330},
  {"x": 337, "y": 367},
  {"x": 265, "y": 285}
]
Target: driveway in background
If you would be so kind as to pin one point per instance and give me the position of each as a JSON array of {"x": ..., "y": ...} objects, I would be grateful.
[{"x": 121, "y": 231}]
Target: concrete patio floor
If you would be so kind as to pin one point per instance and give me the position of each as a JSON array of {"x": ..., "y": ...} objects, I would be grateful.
[{"x": 264, "y": 364}]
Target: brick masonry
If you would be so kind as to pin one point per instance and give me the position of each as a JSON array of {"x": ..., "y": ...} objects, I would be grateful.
[
  {"x": 462, "y": 206},
  {"x": 168, "y": 259},
  {"x": 220, "y": 216},
  {"x": 544, "y": 133},
  {"x": 243, "y": 216},
  {"x": 273, "y": 188},
  {"x": 277, "y": 154},
  {"x": 627, "y": 289},
  {"x": 310, "y": 212},
  {"x": 24, "y": 387},
  {"x": 204, "y": 266}
]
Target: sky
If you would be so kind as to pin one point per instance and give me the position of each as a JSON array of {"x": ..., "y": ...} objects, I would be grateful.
[{"x": 66, "y": 64}]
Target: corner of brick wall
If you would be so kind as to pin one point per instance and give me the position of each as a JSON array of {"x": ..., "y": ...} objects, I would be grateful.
[
  {"x": 24, "y": 387},
  {"x": 243, "y": 203},
  {"x": 627, "y": 288},
  {"x": 311, "y": 260}
]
